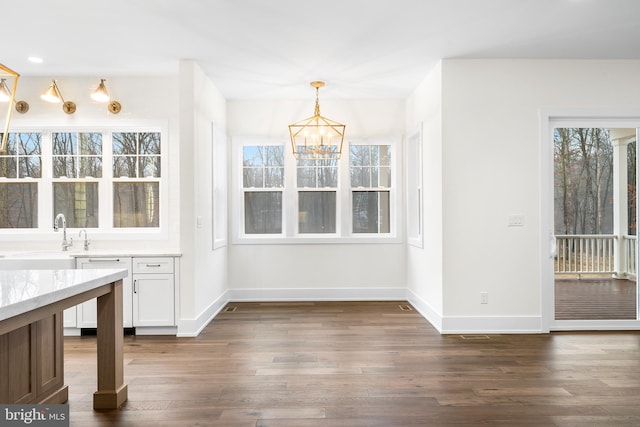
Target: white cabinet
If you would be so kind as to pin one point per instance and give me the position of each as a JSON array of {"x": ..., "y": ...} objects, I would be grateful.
[
  {"x": 153, "y": 291},
  {"x": 86, "y": 313},
  {"x": 148, "y": 293}
]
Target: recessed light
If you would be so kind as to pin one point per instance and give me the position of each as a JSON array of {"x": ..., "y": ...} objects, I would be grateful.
[{"x": 35, "y": 60}]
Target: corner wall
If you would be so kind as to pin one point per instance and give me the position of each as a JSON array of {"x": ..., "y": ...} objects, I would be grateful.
[
  {"x": 424, "y": 265},
  {"x": 203, "y": 270},
  {"x": 492, "y": 170}
]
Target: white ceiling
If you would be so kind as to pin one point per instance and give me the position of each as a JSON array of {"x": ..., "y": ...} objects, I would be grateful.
[{"x": 274, "y": 48}]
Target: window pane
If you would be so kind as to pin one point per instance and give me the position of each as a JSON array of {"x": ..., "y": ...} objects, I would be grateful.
[
  {"x": 65, "y": 143},
  {"x": 124, "y": 143},
  {"x": 149, "y": 143},
  {"x": 263, "y": 212},
  {"x": 253, "y": 156},
  {"x": 90, "y": 167},
  {"x": 19, "y": 205},
  {"x": 64, "y": 166},
  {"x": 149, "y": 166},
  {"x": 8, "y": 166},
  {"x": 78, "y": 201},
  {"x": 274, "y": 177},
  {"x": 384, "y": 155},
  {"x": 90, "y": 143},
  {"x": 252, "y": 177},
  {"x": 21, "y": 158},
  {"x": 29, "y": 143},
  {"x": 371, "y": 212},
  {"x": 327, "y": 177},
  {"x": 370, "y": 165},
  {"x": 306, "y": 177},
  {"x": 30, "y": 167},
  {"x": 317, "y": 173},
  {"x": 263, "y": 166},
  {"x": 360, "y": 177},
  {"x": 385, "y": 177},
  {"x": 77, "y": 155},
  {"x": 317, "y": 211},
  {"x": 124, "y": 166},
  {"x": 136, "y": 204},
  {"x": 359, "y": 155}
]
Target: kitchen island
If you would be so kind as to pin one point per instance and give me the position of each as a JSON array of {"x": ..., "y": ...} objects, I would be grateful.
[{"x": 31, "y": 341}]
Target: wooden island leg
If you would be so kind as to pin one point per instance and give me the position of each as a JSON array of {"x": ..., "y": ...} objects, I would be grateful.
[{"x": 112, "y": 392}]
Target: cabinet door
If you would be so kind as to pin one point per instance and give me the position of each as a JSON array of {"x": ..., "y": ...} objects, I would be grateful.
[
  {"x": 86, "y": 312},
  {"x": 70, "y": 318},
  {"x": 153, "y": 300}
]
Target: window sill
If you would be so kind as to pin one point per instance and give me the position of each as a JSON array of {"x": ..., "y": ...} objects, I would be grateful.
[{"x": 315, "y": 240}]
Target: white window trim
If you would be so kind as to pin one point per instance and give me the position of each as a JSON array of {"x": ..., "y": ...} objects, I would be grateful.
[
  {"x": 106, "y": 231},
  {"x": 344, "y": 233}
]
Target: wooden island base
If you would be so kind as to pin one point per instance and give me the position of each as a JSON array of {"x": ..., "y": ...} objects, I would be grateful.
[{"x": 32, "y": 347}]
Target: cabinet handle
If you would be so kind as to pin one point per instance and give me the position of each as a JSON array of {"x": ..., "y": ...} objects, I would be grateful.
[
  {"x": 134, "y": 287},
  {"x": 104, "y": 260},
  {"x": 153, "y": 265}
]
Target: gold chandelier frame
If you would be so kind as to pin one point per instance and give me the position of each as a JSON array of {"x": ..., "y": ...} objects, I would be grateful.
[
  {"x": 7, "y": 72},
  {"x": 317, "y": 137}
]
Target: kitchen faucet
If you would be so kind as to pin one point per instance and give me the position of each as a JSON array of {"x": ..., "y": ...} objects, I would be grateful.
[
  {"x": 86, "y": 239},
  {"x": 65, "y": 244}
]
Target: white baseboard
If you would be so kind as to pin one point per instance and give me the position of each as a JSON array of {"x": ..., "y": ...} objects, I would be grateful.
[
  {"x": 193, "y": 327},
  {"x": 476, "y": 324},
  {"x": 336, "y": 294},
  {"x": 425, "y": 310},
  {"x": 491, "y": 325}
]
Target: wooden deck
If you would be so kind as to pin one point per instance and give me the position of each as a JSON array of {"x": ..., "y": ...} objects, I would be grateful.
[
  {"x": 361, "y": 364},
  {"x": 595, "y": 299}
]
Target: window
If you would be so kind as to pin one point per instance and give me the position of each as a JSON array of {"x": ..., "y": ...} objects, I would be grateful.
[
  {"x": 101, "y": 179},
  {"x": 262, "y": 183},
  {"x": 20, "y": 170},
  {"x": 77, "y": 165},
  {"x": 136, "y": 172},
  {"x": 317, "y": 183},
  {"x": 281, "y": 199},
  {"x": 370, "y": 169}
]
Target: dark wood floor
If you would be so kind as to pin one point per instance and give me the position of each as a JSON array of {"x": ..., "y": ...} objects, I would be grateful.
[
  {"x": 595, "y": 299},
  {"x": 361, "y": 364}
]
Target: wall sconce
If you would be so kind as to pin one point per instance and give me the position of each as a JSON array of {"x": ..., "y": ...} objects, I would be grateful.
[
  {"x": 53, "y": 95},
  {"x": 9, "y": 95},
  {"x": 102, "y": 95}
]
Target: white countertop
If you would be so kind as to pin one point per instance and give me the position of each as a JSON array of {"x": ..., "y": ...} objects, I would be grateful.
[
  {"x": 88, "y": 254},
  {"x": 24, "y": 290}
]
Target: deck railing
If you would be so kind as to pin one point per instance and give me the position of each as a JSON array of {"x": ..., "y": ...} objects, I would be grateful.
[
  {"x": 631, "y": 248},
  {"x": 595, "y": 254}
]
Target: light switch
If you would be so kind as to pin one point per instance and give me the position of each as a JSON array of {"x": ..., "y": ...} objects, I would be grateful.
[{"x": 515, "y": 221}]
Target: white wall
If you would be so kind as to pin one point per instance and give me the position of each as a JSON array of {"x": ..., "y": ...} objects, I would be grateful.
[
  {"x": 491, "y": 169},
  {"x": 424, "y": 265},
  {"x": 292, "y": 271},
  {"x": 204, "y": 271}
]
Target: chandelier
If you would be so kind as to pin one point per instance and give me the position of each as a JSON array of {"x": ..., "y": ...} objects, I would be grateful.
[{"x": 316, "y": 137}]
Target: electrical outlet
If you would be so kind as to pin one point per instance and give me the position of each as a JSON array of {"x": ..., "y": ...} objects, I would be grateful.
[{"x": 484, "y": 297}]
